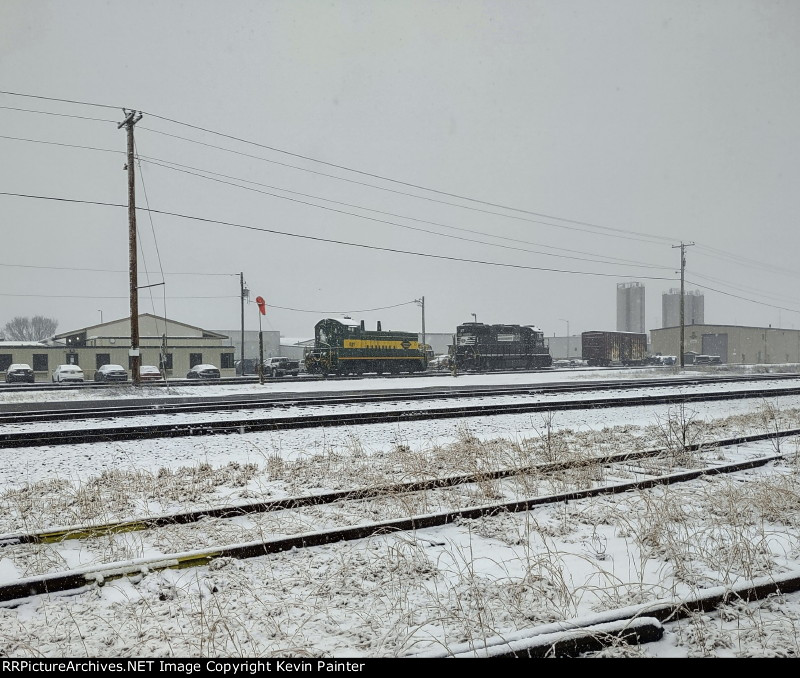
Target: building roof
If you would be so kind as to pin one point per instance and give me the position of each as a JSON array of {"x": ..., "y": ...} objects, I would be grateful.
[
  {"x": 22, "y": 344},
  {"x": 93, "y": 328},
  {"x": 738, "y": 327}
]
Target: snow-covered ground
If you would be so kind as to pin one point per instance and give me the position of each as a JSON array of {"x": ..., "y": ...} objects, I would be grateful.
[{"x": 397, "y": 595}]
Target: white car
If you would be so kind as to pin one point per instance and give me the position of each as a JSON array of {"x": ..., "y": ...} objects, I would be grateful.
[{"x": 65, "y": 373}]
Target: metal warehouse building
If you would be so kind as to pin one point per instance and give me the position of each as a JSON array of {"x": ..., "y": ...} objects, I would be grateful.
[
  {"x": 108, "y": 343},
  {"x": 734, "y": 344}
]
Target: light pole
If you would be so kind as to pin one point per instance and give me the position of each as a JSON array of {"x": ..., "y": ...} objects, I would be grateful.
[
  {"x": 474, "y": 317},
  {"x": 566, "y": 321}
]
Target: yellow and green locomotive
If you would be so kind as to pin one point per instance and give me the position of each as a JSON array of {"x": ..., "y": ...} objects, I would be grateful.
[{"x": 342, "y": 346}]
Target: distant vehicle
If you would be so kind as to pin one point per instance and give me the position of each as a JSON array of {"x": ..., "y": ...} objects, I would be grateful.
[
  {"x": 149, "y": 373},
  {"x": 203, "y": 372},
  {"x": 620, "y": 348},
  {"x": 250, "y": 366},
  {"x": 67, "y": 373},
  {"x": 439, "y": 362},
  {"x": 111, "y": 373},
  {"x": 19, "y": 372},
  {"x": 569, "y": 362},
  {"x": 707, "y": 360},
  {"x": 662, "y": 360},
  {"x": 281, "y": 367}
]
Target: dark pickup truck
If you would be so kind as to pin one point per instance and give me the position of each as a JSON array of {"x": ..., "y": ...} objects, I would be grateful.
[{"x": 279, "y": 367}]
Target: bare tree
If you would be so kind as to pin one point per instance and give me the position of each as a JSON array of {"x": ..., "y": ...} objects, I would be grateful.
[{"x": 30, "y": 329}]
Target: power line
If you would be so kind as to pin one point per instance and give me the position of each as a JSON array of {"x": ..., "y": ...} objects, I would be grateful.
[
  {"x": 332, "y": 241},
  {"x": 748, "y": 290},
  {"x": 404, "y": 183},
  {"x": 173, "y": 165},
  {"x": 646, "y": 238},
  {"x": 57, "y": 143},
  {"x": 383, "y": 221},
  {"x": 715, "y": 253},
  {"x": 88, "y": 296},
  {"x": 102, "y": 270},
  {"x": 620, "y": 232},
  {"x": 363, "y": 310},
  {"x": 64, "y": 101},
  {"x": 60, "y": 115},
  {"x": 167, "y": 164},
  {"x": 736, "y": 296}
]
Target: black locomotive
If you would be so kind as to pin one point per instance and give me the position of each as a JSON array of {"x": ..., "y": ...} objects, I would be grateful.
[{"x": 482, "y": 347}]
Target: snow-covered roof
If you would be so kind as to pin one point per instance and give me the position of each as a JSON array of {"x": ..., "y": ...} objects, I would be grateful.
[
  {"x": 20, "y": 344},
  {"x": 294, "y": 341},
  {"x": 349, "y": 322}
]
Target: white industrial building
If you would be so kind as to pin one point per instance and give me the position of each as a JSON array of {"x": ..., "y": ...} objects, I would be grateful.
[{"x": 183, "y": 346}]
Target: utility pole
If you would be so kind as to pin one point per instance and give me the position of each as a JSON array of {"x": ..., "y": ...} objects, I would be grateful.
[
  {"x": 131, "y": 118},
  {"x": 244, "y": 292},
  {"x": 421, "y": 302},
  {"x": 683, "y": 247}
]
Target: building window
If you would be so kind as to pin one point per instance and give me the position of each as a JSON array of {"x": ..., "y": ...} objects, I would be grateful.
[
  {"x": 102, "y": 359},
  {"x": 40, "y": 362},
  {"x": 166, "y": 361},
  {"x": 226, "y": 360},
  {"x": 195, "y": 359},
  {"x": 5, "y": 361},
  {"x": 72, "y": 358}
]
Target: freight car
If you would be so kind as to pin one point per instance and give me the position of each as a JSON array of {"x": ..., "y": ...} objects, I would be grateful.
[
  {"x": 482, "y": 347},
  {"x": 342, "y": 346},
  {"x": 607, "y": 348}
]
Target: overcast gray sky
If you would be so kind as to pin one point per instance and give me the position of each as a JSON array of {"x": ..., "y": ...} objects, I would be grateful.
[{"x": 587, "y": 137}]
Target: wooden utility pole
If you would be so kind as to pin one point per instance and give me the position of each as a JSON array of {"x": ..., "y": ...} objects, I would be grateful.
[
  {"x": 241, "y": 285},
  {"x": 683, "y": 247},
  {"x": 421, "y": 302},
  {"x": 131, "y": 118}
]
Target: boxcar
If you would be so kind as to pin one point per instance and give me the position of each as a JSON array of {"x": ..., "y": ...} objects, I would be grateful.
[{"x": 614, "y": 348}]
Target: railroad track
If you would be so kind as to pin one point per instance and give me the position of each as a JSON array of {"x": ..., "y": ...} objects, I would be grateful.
[
  {"x": 15, "y": 413},
  {"x": 635, "y": 624},
  {"x": 14, "y": 593},
  {"x": 241, "y": 426},
  {"x": 253, "y": 379}
]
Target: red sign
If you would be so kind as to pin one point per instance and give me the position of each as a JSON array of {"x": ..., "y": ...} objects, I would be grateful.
[{"x": 262, "y": 305}]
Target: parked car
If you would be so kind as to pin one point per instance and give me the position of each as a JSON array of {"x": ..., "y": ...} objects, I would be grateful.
[
  {"x": 19, "y": 372},
  {"x": 65, "y": 373},
  {"x": 149, "y": 373},
  {"x": 111, "y": 373},
  {"x": 203, "y": 372},
  {"x": 281, "y": 366}
]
